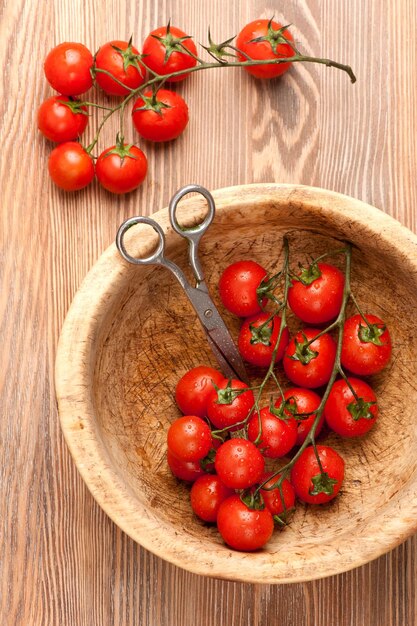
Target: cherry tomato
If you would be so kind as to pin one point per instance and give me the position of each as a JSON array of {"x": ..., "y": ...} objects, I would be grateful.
[
  {"x": 243, "y": 528},
  {"x": 121, "y": 168},
  {"x": 189, "y": 438},
  {"x": 70, "y": 167},
  {"x": 164, "y": 53},
  {"x": 278, "y": 502},
  {"x": 61, "y": 122},
  {"x": 366, "y": 348},
  {"x": 184, "y": 470},
  {"x": 207, "y": 494},
  {"x": 310, "y": 366},
  {"x": 349, "y": 416},
  {"x": 278, "y": 435},
  {"x": 238, "y": 463},
  {"x": 160, "y": 117},
  {"x": 298, "y": 402},
  {"x": 258, "y": 337},
  {"x": 316, "y": 296},
  {"x": 238, "y": 286},
  {"x": 262, "y": 40},
  {"x": 312, "y": 484},
  {"x": 193, "y": 389},
  {"x": 122, "y": 61},
  {"x": 68, "y": 68},
  {"x": 229, "y": 404}
]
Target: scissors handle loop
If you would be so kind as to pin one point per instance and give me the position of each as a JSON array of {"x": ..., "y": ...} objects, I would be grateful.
[
  {"x": 156, "y": 256},
  {"x": 195, "y": 231}
]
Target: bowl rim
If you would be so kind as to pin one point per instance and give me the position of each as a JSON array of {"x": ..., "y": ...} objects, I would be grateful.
[{"x": 73, "y": 369}]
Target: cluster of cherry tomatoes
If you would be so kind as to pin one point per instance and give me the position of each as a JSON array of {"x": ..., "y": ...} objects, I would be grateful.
[
  {"x": 223, "y": 440},
  {"x": 158, "y": 114}
]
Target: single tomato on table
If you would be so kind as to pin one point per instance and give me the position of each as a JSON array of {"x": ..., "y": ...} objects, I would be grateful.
[
  {"x": 229, "y": 404},
  {"x": 316, "y": 294},
  {"x": 68, "y": 67},
  {"x": 167, "y": 50},
  {"x": 121, "y": 168},
  {"x": 160, "y": 117},
  {"x": 347, "y": 415},
  {"x": 194, "y": 388},
  {"x": 118, "y": 62},
  {"x": 61, "y": 118},
  {"x": 239, "y": 288},
  {"x": 314, "y": 484},
  {"x": 309, "y": 358},
  {"x": 243, "y": 528},
  {"x": 264, "y": 40},
  {"x": 70, "y": 166},
  {"x": 258, "y": 338},
  {"x": 366, "y": 345}
]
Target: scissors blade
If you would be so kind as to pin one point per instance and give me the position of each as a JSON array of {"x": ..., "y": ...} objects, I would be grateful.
[{"x": 218, "y": 336}]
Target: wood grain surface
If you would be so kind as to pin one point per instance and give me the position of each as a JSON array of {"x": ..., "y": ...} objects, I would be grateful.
[{"x": 62, "y": 561}]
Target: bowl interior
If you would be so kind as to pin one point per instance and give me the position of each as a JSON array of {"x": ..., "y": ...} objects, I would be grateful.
[{"x": 148, "y": 336}]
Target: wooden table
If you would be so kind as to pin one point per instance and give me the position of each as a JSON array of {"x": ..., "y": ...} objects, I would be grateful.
[{"x": 63, "y": 562}]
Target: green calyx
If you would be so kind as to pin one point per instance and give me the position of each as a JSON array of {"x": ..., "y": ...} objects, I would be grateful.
[
  {"x": 284, "y": 408},
  {"x": 219, "y": 50},
  {"x": 228, "y": 394},
  {"x": 274, "y": 36},
  {"x": 75, "y": 106},
  {"x": 322, "y": 483},
  {"x": 151, "y": 103},
  {"x": 122, "y": 149},
  {"x": 172, "y": 44},
  {"x": 371, "y": 333},
  {"x": 303, "y": 351},
  {"x": 361, "y": 409},
  {"x": 253, "y": 500},
  {"x": 262, "y": 333},
  {"x": 308, "y": 274},
  {"x": 129, "y": 57}
]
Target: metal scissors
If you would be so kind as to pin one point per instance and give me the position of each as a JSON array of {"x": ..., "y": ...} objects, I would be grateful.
[{"x": 216, "y": 331}]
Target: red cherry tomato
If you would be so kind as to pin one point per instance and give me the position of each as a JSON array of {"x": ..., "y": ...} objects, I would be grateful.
[
  {"x": 316, "y": 297},
  {"x": 193, "y": 389},
  {"x": 278, "y": 435},
  {"x": 162, "y": 117},
  {"x": 121, "y": 168},
  {"x": 229, "y": 404},
  {"x": 238, "y": 286},
  {"x": 122, "y": 61},
  {"x": 258, "y": 337},
  {"x": 243, "y": 528},
  {"x": 366, "y": 348},
  {"x": 312, "y": 484},
  {"x": 310, "y": 366},
  {"x": 70, "y": 167},
  {"x": 184, "y": 470},
  {"x": 207, "y": 494},
  {"x": 278, "y": 503},
  {"x": 299, "y": 402},
  {"x": 189, "y": 438},
  {"x": 61, "y": 122},
  {"x": 260, "y": 41},
  {"x": 349, "y": 416},
  {"x": 239, "y": 464},
  {"x": 165, "y": 52},
  {"x": 68, "y": 68}
]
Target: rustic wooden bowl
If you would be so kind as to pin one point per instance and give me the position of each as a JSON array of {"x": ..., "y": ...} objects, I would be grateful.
[{"x": 130, "y": 334}]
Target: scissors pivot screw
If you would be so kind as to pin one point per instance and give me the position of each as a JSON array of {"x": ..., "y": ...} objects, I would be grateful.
[{"x": 208, "y": 313}]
